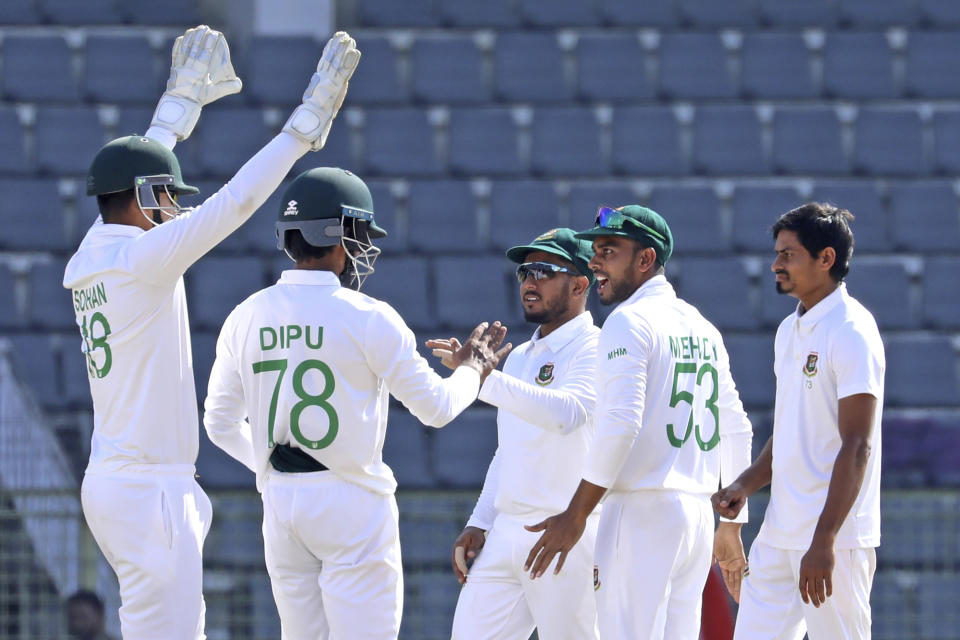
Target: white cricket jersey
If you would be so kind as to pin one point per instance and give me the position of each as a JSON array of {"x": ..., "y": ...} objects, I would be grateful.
[
  {"x": 545, "y": 398},
  {"x": 311, "y": 364},
  {"x": 128, "y": 296},
  {"x": 830, "y": 352},
  {"x": 668, "y": 415}
]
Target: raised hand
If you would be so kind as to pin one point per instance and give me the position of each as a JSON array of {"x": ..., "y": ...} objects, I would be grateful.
[
  {"x": 482, "y": 350},
  {"x": 311, "y": 121},
  {"x": 200, "y": 72},
  {"x": 444, "y": 349}
]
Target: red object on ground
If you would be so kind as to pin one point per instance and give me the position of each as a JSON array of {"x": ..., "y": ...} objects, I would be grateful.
[{"x": 717, "y": 619}]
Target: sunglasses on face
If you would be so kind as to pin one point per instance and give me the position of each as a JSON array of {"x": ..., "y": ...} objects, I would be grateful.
[
  {"x": 608, "y": 217},
  {"x": 539, "y": 270}
]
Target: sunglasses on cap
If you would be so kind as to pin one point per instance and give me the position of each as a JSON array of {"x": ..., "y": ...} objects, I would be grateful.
[
  {"x": 539, "y": 270},
  {"x": 609, "y": 217}
]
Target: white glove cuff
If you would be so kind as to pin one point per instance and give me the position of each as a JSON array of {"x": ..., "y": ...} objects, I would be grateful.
[
  {"x": 176, "y": 114},
  {"x": 309, "y": 125}
]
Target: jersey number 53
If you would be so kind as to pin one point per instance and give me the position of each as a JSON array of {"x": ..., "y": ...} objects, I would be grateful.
[{"x": 693, "y": 399}]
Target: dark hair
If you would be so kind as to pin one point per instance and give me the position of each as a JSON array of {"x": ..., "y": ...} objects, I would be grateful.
[
  {"x": 818, "y": 226},
  {"x": 112, "y": 205},
  {"x": 86, "y": 597},
  {"x": 301, "y": 250}
]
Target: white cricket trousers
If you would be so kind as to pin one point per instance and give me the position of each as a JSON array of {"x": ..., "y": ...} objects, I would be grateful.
[
  {"x": 501, "y": 602},
  {"x": 654, "y": 550},
  {"x": 771, "y": 607},
  {"x": 333, "y": 554},
  {"x": 150, "y": 524}
]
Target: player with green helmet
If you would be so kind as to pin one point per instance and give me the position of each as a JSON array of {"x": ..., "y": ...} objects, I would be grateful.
[
  {"x": 140, "y": 499},
  {"x": 299, "y": 394}
]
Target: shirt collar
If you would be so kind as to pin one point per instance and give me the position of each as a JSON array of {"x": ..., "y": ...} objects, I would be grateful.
[
  {"x": 309, "y": 276},
  {"x": 562, "y": 335},
  {"x": 822, "y": 308},
  {"x": 655, "y": 286}
]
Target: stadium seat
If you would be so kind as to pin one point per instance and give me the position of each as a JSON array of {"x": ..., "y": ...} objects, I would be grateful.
[
  {"x": 385, "y": 210},
  {"x": 755, "y": 209},
  {"x": 337, "y": 152},
  {"x": 9, "y": 314},
  {"x": 929, "y": 66},
  {"x": 73, "y": 365},
  {"x": 387, "y": 13},
  {"x": 774, "y": 307},
  {"x": 120, "y": 69},
  {"x": 776, "y": 65},
  {"x": 402, "y": 282},
  {"x": 216, "y": 285},
  {"x": 448, "y": 68},
  {"x": 67, "y": 138},
  {"x": 38, "y": 69},
  {"x": 566, "y": 141},
  {"x": 727, "y": 140},
  {"x": 923, "y": 216},
  {"x": 905, "y": 465},
  {"x": 893, "y": 601},
  {"x": 709, "y": 14},
  {"x": 471, "y": 14},
  {"x": 945, "y": 469},
  {"x": 790, "y": 13},
  {"x": 85, "y": 13},
  {"x": 400, "y": 142},
  {"x": 520, "y": 210},
  {"x": 807, "y": 141},
  {"x": 694, "y": 66},
  {"x": 228, "y": 138},
  {"x": 938, "y": 596},
  {"x": 430, "y": 602},
  {"x": 941, "y": 308},
  {"x": 946, "y": 141},
  {"x": 473, "y": 290},
  {"x": 484, "y": 142},
  {"x": 179, "y": 13},
  {"x": 50, "y": 303},
  {"x": 693, "y": 214},
  {"x": 33, "y": 216},
  {"x": 12, "y": 141},
  {"x": 135, "y": 120},
  {"x": 646, "y": 141},
  {"x": 377, "y": 79},
  {"x": 939, "y": 13},
  {"x": 463, "y": 450},
  {"x": 405, "y": 450},
  {"x": 34, "y": 361},
  {"x": 751, "y": 364},
  {"x": 203, "y": 345},
  {"x": 877, "y": 13},
  {"x": 883, "y": 287},
  {"x": 861, "y": 198},
  {"x": 650, "y": 13},
  {"x": 889, "y": 142},
  {"x": 19, "y": 12},
  {"x": 921, "y": 371},
  {"x": 442, "y": 217},
  {"x": 720, "y": 289},
  {"x": 919, "y": 528},
  {"x": 858, "y": 65},
  {"x": 611, "y": 68},
  {"x": 529, "y": 67},
  {"x": 259, "y": 233},
  {"x": 549, "y": 13},
  {"x": 586, "y": 197},
  {"x": 279, "y": 68}
]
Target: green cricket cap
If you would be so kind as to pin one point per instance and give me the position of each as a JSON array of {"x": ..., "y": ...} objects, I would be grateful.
[
  {"x": 637, "y": 222},
  {"x": 120, "y": 162},
  {"x": 560, "y": 242}
]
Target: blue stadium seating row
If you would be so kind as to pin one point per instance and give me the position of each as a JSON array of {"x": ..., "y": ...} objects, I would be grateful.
[
  {"x": 660, "y": 13},
  {"x": 564, "y": 142},
  {"x": 520, "y": 67},
  {"x": 97, "y": 12}
]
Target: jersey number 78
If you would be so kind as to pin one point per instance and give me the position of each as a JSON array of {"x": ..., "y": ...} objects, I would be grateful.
[{"x": 305, "y": 400}]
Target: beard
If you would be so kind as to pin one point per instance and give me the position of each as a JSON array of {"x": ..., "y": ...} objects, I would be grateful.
[
  {"x": 551, "y": 310},
  {"x": 618, "y": 292}
]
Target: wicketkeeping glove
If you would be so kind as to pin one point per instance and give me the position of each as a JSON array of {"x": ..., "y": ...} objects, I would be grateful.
[
  {"x": 328, "y": 86},
  {"x": 200, "y": 72}
]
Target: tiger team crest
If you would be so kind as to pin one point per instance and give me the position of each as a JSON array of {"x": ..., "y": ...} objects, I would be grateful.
[
  {"x": 810, "y": 368},
  {"x": 545, "y": 376}
]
